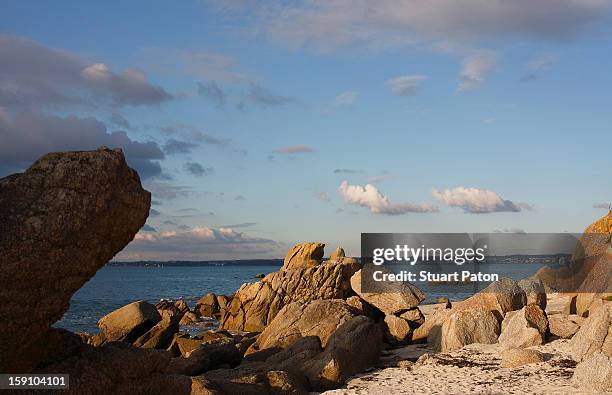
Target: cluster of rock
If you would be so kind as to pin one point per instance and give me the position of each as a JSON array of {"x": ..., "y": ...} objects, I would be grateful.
[{"x": 308, "y": 327}]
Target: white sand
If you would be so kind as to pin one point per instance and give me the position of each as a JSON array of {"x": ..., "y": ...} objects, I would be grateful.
[{"x": 472, "y": 370}]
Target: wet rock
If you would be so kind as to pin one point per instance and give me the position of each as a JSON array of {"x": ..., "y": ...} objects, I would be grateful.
[
  {"x": 208, "y": 306},
  {"x": 129, "y": 322},
  {"x": 390, "y": 297},
  {"x": 304, "y": 255},
  {"x": 515, "y": 357},
  {"x": 467, "y": 326},
  {"x": 524, "y": 328},
  {"x": 47, "y": 215}
]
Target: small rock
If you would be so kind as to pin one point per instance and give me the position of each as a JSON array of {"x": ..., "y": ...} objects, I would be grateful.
[
  {"x": 414, "y": 317},
  {"x": 208, "y": 306},
  {"x": 337, "y": 255},
  {"x": 405, "y": 364},
  {"x": 535, "y": 292},
  {"x": 260, "y": 275},
  {"x": 515, "y": 357},
  {"x": 563, "y": 325},
  {"x": 189, "y": 318}
]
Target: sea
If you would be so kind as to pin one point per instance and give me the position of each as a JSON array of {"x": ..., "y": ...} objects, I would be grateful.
[{"x": 116, "y": 285}]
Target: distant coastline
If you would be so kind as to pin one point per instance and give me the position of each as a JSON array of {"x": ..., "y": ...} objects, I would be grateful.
[{"x": 241, "y": 262}]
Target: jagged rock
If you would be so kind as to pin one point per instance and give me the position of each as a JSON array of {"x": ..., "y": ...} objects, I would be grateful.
[
  {"x": 499, "y": 297},
  {"x": 563, "y": 325},
  {"x": 398, "y": 330},
  {"x": 467, "y": 326},
  {"x": 161, "y": 334},
  {"x": 207, "y": 356},
  {"x": 414, "y": 317},
  {"x": 524, "y": 328},
  {"x": 208, "y": 306},
  {"x": 390, "y": 297},
  {"x": 260, "y": 275},
  {"x": 129, "y": 322},
  {"x": 594, "y": 335},
  {"x": 594, "y": 373},
  {"x": 213, "y": 335},
  {"x": 515, "y": 357},
  {"x": 304, "y": 255},
  {"x": 224, "y": 301},
  {"x": 337, "y": 255},
  {"x": 189, "y": 318},
  {"x": 47, "y": 215},
  {"x": 175, "y": 309},
  {"x": 319, "y": 318},
  {"x": 256, "y": 304},
  {"x": 535, "y": 292}
]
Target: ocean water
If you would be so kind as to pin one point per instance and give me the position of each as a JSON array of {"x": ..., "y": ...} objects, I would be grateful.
[{"x": 116, "y": 286}]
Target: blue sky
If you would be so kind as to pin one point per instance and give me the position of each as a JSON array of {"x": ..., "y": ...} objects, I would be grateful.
[{"x": 245, "y": 119}]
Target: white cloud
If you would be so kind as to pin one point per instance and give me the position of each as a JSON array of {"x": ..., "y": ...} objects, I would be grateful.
[
  {"x": 475, "y": 68},
  {"x": 345, "y": 99},
  {"x": 198, "y": 243},
  {"x": 477, "y": 201},
  {"x": 405, "y": 85},
  {"x": 371, "y": 198}
]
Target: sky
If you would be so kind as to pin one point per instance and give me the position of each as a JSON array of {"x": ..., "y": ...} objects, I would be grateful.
[{"x": 260, "y": 124}]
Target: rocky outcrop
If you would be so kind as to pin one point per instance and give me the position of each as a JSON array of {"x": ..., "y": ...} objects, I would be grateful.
[
  {"x": 60, "y": 221},
  {"x": 304, "y": 255},
  {"x": 467, "y": 326},
  {"x": 256, "y": 304},
  {"x": 337, "y": 255},
  {"x": 595, "y": 334},
  {"x": 524, "y": 328},
  {"x": 208, "y": 306},
  {"x": 390, "y": 297},
  {"x": 594, "y": 373},
  {"x": 515, "y": 357},
  {"x": 129, "y": 322},
  {"x": 160, "y": 335}
]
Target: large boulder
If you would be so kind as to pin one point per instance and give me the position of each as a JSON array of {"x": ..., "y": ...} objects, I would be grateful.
[
  {"x": 430, "y": 331},
  {"x": 524, "y": 328},
  {"x": 320, "y": 318},
  {"x": 304, "y": 255},
  {"x": 594, "y": 374},
  {"x": 207, "y": 356},
  {"x": 390, "y": 297},
  {"x": 61, "y": 220},
  {"x": 256, "y": 304},
  {"x": 467, "y": 326},
  {"x": 160, "y": 335},
  {"x": 129, "y": 322},
  {"x": 499, "y": 297},
  {"x": 595, "y": 334},
  {"x": 208, "y": 306},
  {"x": 397, "y": 330}
]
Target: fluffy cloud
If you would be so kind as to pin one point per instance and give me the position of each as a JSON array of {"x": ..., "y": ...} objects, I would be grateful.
[
  {"x": 26, "y": 136},
  {"x": 475, "y": 68},
  {"x": 477, "y": 201},
  {"x": 370, "y": 197},
  {"x": 327, "y": 25},
  {"x": 34, "y": 76},
  {"x": 294, "y": 149},
  {"x": 405, "y": 85},
  {"x": 199, "y": 243}
]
